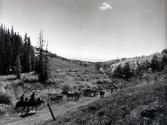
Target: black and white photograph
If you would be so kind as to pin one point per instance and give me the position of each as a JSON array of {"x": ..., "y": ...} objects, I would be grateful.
[{"x": 83, "y": 62}]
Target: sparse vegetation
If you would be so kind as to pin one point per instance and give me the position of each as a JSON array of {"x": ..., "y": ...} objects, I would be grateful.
[
  {"x": 137, "y": 85},
  {"x": 5, "y": 99},
  {"x": 124, "y": 107}
]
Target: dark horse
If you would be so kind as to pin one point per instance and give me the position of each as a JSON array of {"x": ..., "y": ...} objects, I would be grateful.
[
  {"x": 28, "y": 103},
  {"x": 102, "y": 93}
]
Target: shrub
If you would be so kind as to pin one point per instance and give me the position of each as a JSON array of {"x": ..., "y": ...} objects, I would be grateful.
[
  {"x": 123, "y": 71},
  {"x": 2, "y": 111},
  {"x": 5, "y": 99},
  {"x": 97, "y": 66},
  {"x": 164, "y": 51},
  {"x": 126, "y": 71},
  {"x": 118, "y": 71},
  {"x": 92, "y": 108},
  {"x": 165, "y": 68},
  {"x": 155, "y": 63},
  {"x": 164, "y": 60}
]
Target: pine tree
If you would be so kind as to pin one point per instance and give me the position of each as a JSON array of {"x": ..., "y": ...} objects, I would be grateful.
[
  {"x": 42, "y": 61},
  {"x": 14, "y": 52},
  {"x": 18, "y": 53},
  {"x": 17, "y": 67},
  {"x": 27, "y": 56}
]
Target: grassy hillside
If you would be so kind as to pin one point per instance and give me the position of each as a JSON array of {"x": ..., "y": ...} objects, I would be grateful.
[
  {"x": 142, "y": 104},
  {"x": 131, "y": 96},
  {"x": 74, "y": 74}
]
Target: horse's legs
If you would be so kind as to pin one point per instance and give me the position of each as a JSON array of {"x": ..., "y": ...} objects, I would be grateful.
[
  {"x": 23, "y": 109},
  {"x": 32, "y": 107},
  {"x": 36, "y": 107},
  {"x": 16, "y": 107},
  {"x": 28, "y": 107}
]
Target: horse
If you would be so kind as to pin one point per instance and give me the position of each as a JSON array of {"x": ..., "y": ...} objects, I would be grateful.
[
  {"x": 33, "y": 104},
  {"x": 102, "y": 93},
  {"x": 28, "y": 103},
  {"x": 40, "y": 101},
  {"x": 19, "y": 104}
]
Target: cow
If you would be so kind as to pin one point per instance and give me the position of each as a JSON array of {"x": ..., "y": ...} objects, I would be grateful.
[{"x": 102, "y": 93}]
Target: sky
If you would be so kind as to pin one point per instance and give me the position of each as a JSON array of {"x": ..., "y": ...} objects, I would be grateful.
[{"x": 91, "y": 30}]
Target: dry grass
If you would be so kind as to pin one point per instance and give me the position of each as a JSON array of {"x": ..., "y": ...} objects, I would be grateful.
[
  {"x": 124, "y": 107},
  {"x": 73, "y": 74},
  {"x": 63, "y": 73}
]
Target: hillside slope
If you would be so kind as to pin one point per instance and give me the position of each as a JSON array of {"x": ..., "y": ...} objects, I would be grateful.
[
  {"x": 126, "y": 105},
  {"x": 140, "y": 104},
  {"x": 75, "y": 74}
]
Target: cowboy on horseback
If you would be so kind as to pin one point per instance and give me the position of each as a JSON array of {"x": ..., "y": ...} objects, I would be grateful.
[
  {"x": 32, "y": 98},
  {"x": 22, "y": 98}
]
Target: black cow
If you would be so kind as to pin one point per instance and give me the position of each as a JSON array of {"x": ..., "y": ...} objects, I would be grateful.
[{"x": 102, "y": 93}]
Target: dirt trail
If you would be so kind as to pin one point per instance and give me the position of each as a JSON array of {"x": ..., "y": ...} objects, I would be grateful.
[{"x": 43, "y": 115}]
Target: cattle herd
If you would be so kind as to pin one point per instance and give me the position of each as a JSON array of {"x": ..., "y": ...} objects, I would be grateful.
[{"x": 28, "y": 104}]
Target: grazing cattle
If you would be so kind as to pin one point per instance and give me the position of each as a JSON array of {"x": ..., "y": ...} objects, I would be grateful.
[
  {"x": 77, "y": 95},
  {"x": 64, "y": 92},
  {"x": 90, "y": 92},
  {"x": 57, "y": 98},
  {"x": 102, "y": 93},
  {"x": 68, "y": 94},
  {"x": 72, "y": 95}
]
